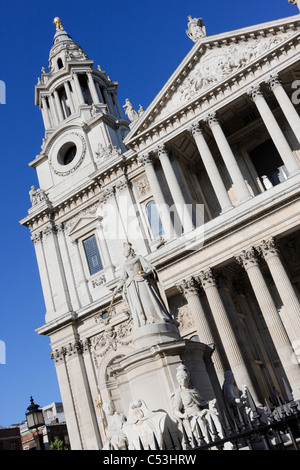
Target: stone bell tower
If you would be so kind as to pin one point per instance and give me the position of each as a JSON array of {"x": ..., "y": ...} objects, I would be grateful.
[{"x": 84, "y": 127}]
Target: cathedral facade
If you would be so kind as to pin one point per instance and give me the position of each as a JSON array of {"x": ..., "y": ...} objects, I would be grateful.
[{"x": 204, "y": 184}]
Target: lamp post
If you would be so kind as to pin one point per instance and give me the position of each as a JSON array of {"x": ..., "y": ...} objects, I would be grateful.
[{"x": 35, "y": 418}]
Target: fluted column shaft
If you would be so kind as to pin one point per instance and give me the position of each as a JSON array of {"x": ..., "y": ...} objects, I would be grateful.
[
  {"x": 45, "y": 113},
  {"x": 283, "y": 284},
  {"x": 274, "y": 130},
  {"x": 92, "y": 88},
  {"x": 271, "y": 316},
  {"x": 225, "y": 329},
  {"x": 234, "y": 171},
  {"x": 285, "y": 103},
  {"x": 184, "y": 212},
  {"x": 68, "y": 93},
  {"x": 158, "y": 195},
  {"x": 58, "y": 106},
  {"x": 190, "y": 290},
  {"x": 78, "y": 89},
  {"x": 211, "y": 168}
]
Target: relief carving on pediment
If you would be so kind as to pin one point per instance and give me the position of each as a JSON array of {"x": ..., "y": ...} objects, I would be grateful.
[{"x": 216, "y": 65}]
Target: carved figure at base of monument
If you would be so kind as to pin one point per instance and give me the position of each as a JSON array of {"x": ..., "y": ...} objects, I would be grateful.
[
  {"x": 142, "y": 424},
  {"x": 143, "y": 290},
  {"x": 189, "y": 407},
  {"x": 116, "y": 439}
]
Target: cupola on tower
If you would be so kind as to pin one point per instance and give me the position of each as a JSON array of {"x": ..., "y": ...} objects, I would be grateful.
[{"x": 81, "y": 113}]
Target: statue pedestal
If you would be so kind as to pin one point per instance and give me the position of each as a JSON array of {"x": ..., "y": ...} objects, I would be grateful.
[
  {"x": 155, "y": 333},
  {"x": 149, "y": 373}
]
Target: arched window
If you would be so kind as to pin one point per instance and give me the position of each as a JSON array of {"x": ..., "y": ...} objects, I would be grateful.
[{"x": 154, "y": 220}]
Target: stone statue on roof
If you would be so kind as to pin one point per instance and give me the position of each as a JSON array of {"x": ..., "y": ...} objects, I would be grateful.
[
  {"x": 196, "y": 29},
  {"x": 296, "y": 3}
]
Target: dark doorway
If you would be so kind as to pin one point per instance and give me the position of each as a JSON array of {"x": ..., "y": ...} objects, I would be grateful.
[{"x": 268, "y": 164}]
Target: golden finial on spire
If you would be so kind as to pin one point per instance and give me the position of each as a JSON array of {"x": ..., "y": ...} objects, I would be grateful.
[{"x": 58, "y": 23}]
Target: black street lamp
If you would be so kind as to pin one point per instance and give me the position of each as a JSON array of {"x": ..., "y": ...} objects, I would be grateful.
[{"x": 35, "y": 419}]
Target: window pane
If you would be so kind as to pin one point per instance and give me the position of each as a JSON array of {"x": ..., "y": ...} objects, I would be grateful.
[
  {"x": 154, "y": 219},
  {"x": 92, "y": 254}
]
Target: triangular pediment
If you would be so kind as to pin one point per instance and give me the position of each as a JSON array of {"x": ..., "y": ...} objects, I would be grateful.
[
  {"x": 82, "y": 226},
  {"x": 213, "y": 60}
]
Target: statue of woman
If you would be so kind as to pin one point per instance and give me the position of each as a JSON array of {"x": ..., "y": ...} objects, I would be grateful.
[
  {"x": 188, "y": 404},
  {"x": 142, "y": 290}
]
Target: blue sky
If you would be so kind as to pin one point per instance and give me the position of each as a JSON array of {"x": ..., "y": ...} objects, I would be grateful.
[{"x": 139, "y": 43}]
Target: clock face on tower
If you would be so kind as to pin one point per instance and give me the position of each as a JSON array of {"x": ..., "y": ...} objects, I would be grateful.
[{"x": 67, "y": 153}]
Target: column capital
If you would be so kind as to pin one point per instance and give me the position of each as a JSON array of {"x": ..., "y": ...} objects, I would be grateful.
[
  {"x": 273, "y": 81},
  {"x": 247, "y": 258},
  {"x": 36, "y": 237},
  {"x": 206, "y": 279},
  {"x": 195, "y": 129},
  {"x": 255, "y": 92},
  {"x": 268, "y": 248},
  {"x": 107, "y": 193},
  {"x": 146, "y": 159},
  {"x": 188, "y": 287},
  {"x": 212, "y": 119},
  {"x": 161, "y": 151}
]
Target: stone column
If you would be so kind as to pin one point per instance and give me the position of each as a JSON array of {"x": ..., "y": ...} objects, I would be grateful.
[
  {"x": 190, "y": 290},
  {"x": 284, "y": 286},
  {"x": 68, "y": 267},
  {"x": 211, "y": 168},
  {"x": 92, "y": 88},
  {"x": 234, "y": 171},
  {"x": 58, "y": 355},
  {"x": 43, "y": 270},
  {"x": 163, "y": 209},
  {"x": 121, "y": 115},
  {"x": 184, "y": 212},
  {"x": 99, "y": 92},
  {"x": 68, "y": 93},
  {"x": 56, "y": 272},
  {"x": 58, "y": 106},
  {"x": 225, "y": 329},
  {"x": 274, "y": 130},
  {"x": 285, "y": 104},
  {"x": 82, "y": 399},
  {"x": 52, "y": 105},
  {"x": 248, "y": 260},
  {"x": 45, "y": 113},
  {"x": 78, "y": 89}
]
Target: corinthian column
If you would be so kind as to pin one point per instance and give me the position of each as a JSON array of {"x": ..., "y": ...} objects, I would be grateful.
[
  {"x": 274, "y": 130},
  {"x": 277, "y": 331},
  {"x": 225, "y": 329},
  {"x": 184, "y": 214},
  {"x": 284, "y": 286},
  {"x": 285, "y": 103},
  {"x": 234, "y": 171},
  {"x": 190, "y": 290},
  {"x": 211, "y": 168},
  {"x": 162, "y": 207}
]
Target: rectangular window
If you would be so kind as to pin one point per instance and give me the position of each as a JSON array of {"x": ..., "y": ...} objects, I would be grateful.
[{"x": 92, "y": 254}]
